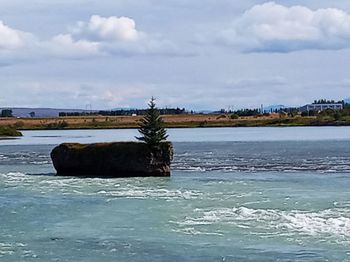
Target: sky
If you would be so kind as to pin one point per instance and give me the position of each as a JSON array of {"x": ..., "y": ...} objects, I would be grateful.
[{"x": 197, "y": 54}]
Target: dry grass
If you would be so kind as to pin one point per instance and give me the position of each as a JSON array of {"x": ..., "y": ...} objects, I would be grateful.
[
  {"x": 198, "y": 120},
  {"x": 119, "y": 121}
]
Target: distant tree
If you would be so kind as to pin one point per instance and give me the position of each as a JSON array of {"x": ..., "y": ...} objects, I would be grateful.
[
  {"x": 6, "y": 113},
  {"x": 32, "y": 114},
  {"x": 326, "y": 101},
  {"x": 247, "y": 112},
  {"x": 152, "y": 127}
]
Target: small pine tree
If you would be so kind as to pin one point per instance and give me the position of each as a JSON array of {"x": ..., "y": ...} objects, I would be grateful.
[{"x": 151, "y": 127}]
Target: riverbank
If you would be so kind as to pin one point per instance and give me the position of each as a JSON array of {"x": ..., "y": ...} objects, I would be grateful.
[{"x": 171, "y": 121}]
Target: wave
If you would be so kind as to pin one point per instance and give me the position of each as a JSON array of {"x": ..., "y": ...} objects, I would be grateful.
[
  {"x": 258, "y": 165},
  {"x": 212, "y": 157},
  {"x": 146, "y": 193},
  {"x": 137, "y": 188},
  {"x": 331, "y": 223},
  {"x": 16, "y": 248},
  {"x": 24, "y": 158}
]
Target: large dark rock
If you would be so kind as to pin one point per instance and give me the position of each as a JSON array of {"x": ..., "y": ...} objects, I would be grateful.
[{"x": 122, "y": 159}]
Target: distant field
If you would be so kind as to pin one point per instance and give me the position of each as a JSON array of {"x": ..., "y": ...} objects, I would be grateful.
[{"x": 96, "y": 122}]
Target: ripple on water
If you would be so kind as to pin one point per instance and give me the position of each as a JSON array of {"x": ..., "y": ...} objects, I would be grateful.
[
  {"x": 137, "y": 188},
  {"x": 8, "y": 250},
  {"x": 30, "y": 157},
  {"x": 331, "y": 224}
]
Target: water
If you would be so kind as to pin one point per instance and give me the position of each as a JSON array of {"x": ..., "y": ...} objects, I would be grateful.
[{"x": 244, "y": 194}]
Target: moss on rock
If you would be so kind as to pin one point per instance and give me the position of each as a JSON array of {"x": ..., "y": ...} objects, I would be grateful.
[{"x": 123, "y": 159}]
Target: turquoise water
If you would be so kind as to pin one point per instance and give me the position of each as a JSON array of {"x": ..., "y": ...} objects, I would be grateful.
[{"x": 244, "y": 194}]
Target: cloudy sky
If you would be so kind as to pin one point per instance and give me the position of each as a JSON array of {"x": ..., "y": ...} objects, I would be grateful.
[{"x": 198, "y": 54}]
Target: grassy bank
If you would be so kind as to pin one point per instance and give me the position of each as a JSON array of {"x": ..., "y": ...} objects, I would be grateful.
[
  {"x": 6, "y": 131},
  {"x": 171, "y": 121}
]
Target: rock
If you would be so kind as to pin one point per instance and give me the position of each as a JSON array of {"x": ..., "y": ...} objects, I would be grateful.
[{"x": 122, "y": 159}]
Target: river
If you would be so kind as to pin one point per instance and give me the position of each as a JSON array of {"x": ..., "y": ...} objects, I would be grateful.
[{"x": 235, "y": 194}]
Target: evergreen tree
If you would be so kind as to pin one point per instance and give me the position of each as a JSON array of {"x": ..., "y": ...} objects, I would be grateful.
[{"x": 151, "y": 127}]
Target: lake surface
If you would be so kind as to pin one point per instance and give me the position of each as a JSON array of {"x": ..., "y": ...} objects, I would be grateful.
[{"x": 236, "y": 194}]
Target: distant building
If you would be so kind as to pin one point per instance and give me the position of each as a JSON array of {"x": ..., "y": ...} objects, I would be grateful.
[{"x": 321, "y": 107}]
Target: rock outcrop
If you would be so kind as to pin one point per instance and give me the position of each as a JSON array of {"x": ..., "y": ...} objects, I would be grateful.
[{"x": 121, "y": 159}]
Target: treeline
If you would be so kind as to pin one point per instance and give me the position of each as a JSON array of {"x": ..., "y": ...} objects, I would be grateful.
[
  {"x": 257, "y": 112},
  {"x": 290, "y": 111},
  {"x": 330, "y": 113},
  {"x": 129, "y": 112},
  {"x": 327, "y": 114},
  {"x": 246, "y": 112},
  {"x": 325, "y": 101}
]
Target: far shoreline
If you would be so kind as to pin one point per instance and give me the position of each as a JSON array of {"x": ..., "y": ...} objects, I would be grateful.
[
  {"x": 171, "y": 121},
  {"x": 176, "y": 127}
]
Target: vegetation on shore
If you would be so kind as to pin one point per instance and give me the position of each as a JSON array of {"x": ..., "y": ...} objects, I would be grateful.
[
  {"x": 7, "y": 131},
  {"x": 174, "y": 121},
  {"x": 325, "y": 118}
]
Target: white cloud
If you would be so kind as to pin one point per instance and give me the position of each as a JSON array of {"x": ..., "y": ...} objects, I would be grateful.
[
  {"x": 16, "y": 45},
  {"x": 109, "y": 29},
  {"x": 64, "y": 45},
  {"x": 119, "y": 36},
  {"x": 100, "y": 36},
  {"x": 271, "y": 27},
  {"x": 73, "y": 94},
  {"x": 10, "y": 38}
]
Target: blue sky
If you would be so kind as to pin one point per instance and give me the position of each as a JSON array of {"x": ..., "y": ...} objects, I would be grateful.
[{"x": 198, "y": 54}]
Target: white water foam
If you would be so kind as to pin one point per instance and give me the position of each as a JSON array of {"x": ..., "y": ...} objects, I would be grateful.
[
  {"x": 139, "y": 189},
  {"x": 144, "y": 193},
  {"x": 17, "y": 248},
  {"x": 334, "y": 223}
]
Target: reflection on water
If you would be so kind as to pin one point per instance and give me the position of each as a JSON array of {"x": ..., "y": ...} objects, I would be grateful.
[{"x": 258, "y": 134}]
